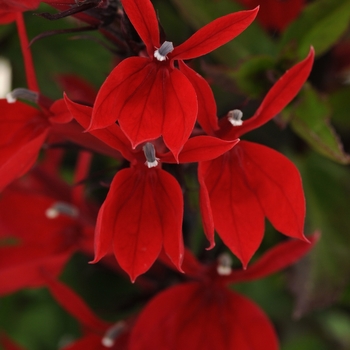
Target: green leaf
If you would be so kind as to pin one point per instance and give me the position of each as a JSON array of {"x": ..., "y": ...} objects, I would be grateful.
[
  {"x": 320, "y": 25},
  {"x": 253, "y": 41},
  {"x": 321, "y": 280},
  {"x": 310, "y": 120},
  {"x": 340, "y": 102}
]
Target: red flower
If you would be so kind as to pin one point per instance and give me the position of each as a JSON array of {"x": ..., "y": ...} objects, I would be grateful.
[
  {"x": 250, "y": 182},
  {"x": 148, "y": 96},
  {"x": 144, "y": 206},
  {"x": 205, "y": 314},
  {"x": 276, "y": 14},
  {"x": 43, "y": 222}
]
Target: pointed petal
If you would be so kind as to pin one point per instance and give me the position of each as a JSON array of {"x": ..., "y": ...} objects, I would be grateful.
[
  {"x": 149, "y": 101},
  {"x": 73, "y": 304},
  {"x": 276, "y": 184},
  {"x": 238, "y": 216},
  {"x": 201, "y": 148},
  {"x": 195, "y": 316},
  {"x": 282, "y": 92},
  {"x": 275, "y": 259},
  {"x": 112, "y": 136},
  {"x": 207, "y": 117},
  {"x": 214, "y": 35},
  {"x": 143, "y": 17},
  {"x": 205, "y": 205},
  {"x": 143, "y": 209}
]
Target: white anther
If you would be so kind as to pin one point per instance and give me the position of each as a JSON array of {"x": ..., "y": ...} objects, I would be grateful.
[
  {"x": 235, "y": 117},
  {"x": 224, "y": 265},
  {"x": 150, "y": 154},
  {"x": 161, "y": 53},
  {"x": 59, "y": 208},
  {"x": 23, "y": 94},
  {"x": 112, "y": 334}
]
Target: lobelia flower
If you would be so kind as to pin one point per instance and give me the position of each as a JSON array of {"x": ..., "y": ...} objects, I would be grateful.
[
  {"x": 251, "y": 181},
  {"x": 45, "y": 234},
  {"x": 144, "y": 207},
  {"x": 205, "y": 314},
  {"x": 149, "y": 96}
]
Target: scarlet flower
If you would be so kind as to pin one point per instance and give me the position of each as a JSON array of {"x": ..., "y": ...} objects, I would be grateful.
[
  {"x": 144, "y": 206},
  {"x": 205, "y": 314},
  {"x": 148, "y": 96},
  {"x": 43, "y": 222},
  {"x": 250, "y": 182}
]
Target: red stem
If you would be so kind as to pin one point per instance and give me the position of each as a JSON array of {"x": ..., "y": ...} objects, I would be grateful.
[
  {"x": 80, "y": 174},
  {"x": 28, "y": 60}
]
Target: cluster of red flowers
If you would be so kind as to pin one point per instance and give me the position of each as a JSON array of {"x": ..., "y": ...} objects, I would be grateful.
[{"x": 153, "y": 109}]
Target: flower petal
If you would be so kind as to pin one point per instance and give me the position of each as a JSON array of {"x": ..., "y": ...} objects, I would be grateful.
[
  {"x": 143, "y": 17},
  {"x": 201, "y": 148},
  {"x": 143, "y": 209},
  {"x": 277, "y": 185},
  {"x": 197, "y": 316},
  {"x": 277, "y": 258},
  {"x": 206, "y": 117},
  {"x": 282, "y": 92},
  {"x": 214, "y": 35},
  {"x": 149, "y": 101}
]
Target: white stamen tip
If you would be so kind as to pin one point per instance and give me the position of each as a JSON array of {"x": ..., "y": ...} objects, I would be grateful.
[
  {"x": 152, "y": 164},
  {"x": 61, "y": 208},
  {"x": 161, "y": 53},
  {"x": 112, "y": 334},
  {"x": 235, "y": 117},
  {"x": 10, "y": 98},
  {"x": 150, "y": 154},
  {"x": 22, "y": 93},
  {"x": 51, "y": 213},
  {"x": 224, "y": 265}
]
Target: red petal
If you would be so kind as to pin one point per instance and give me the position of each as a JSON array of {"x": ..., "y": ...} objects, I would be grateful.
[
  {"x": 238, "y": 216},
  {"x": 206, "y": 102},
  {"x": 22, "y": 133},
  {"x": 112, "y": 136},
  {"x": 149, "y": 100},
  {"x": 201, "y": 148},
  {"x": 278, "y": 97},
  {"x": 275, "y": 259},
  {"x": 73, "y": 304},
  {"x": 143, "y": 209},
  {"x": 7, "y": 343},
  {"x": 214, "y": 35},
  {"x": 143, "y": 17},
  {"x": 276, "y": 184},
  {"x": 196, "y": 316}
]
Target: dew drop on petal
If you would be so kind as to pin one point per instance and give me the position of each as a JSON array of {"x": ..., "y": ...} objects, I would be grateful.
[
  {"x": 59, "y": 208},
  {"x": 224, "y": 267},
  {"x": 112, "y": 334}
]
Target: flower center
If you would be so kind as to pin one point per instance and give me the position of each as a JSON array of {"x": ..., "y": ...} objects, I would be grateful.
[
  {"x": 224, "y": 265},
  {"x": 61, "y": 208},
  {"x": 23, "y": 94},
  {"x": 150, "y": 154},
  {"x": 160, "y": 54},
  {"x": 235, "y": 117},
  {"x": 112, "y": 334}
]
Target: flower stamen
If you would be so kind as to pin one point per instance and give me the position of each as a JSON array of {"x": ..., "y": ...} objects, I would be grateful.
[
  {"x": 150, "y": 154},
  {"x": 112, "y": 334},
  {"x": 161, "y": 53},
  {"x": 59, "y": 208},
  {"x": 23, "y": 94},
  {"x": 235, "y": 117},
  {"x": 224, "y": 267}
]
